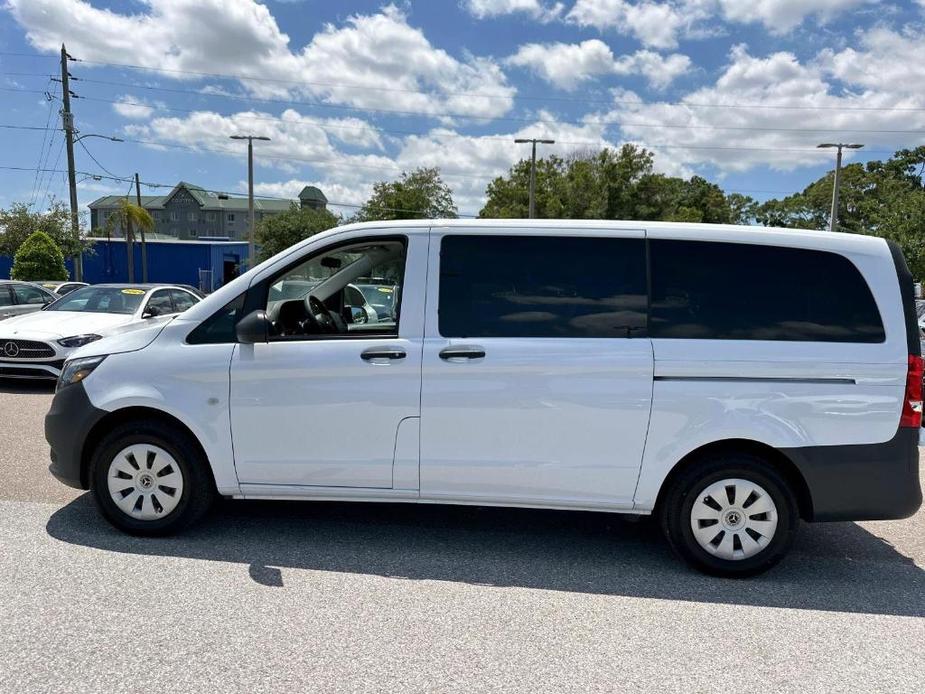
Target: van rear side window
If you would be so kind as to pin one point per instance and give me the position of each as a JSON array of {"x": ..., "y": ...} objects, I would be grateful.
[
  {"x": 736, "y": 291},
  {"x": 542, "y": 286}
]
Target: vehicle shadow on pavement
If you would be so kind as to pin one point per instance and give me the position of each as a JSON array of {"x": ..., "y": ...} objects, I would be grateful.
[{"x": 836, "y": 567}]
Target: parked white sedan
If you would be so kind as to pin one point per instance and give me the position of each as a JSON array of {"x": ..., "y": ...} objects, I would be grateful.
[{"x": 35, "y": 345}]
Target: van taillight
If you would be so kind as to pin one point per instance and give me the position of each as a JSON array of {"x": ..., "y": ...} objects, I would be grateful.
[{"x": 912, "y": 404}]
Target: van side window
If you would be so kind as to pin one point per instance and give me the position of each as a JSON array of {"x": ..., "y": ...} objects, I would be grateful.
[
  {"x": 542, "y": 286},
  {"x": 737, "y": 291}
]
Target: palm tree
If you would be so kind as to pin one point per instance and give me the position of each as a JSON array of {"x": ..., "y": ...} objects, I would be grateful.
[{"x": 128, "y": 216}]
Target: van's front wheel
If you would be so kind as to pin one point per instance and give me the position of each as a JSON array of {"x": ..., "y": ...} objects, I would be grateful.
[
  {"x": 150, "y": 479},
  {"x": 732, "y": 516}
]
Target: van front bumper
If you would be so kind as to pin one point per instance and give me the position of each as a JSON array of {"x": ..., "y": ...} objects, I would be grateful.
[
  {"x": 67, "y": 425},
  {"x": 862, "y": 482}
]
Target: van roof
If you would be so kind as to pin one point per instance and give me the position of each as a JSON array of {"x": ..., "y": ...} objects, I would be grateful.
[{"x": 809, "y": 238}]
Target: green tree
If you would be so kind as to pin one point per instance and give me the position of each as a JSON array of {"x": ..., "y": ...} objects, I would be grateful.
[
  {"x": 19, "y": 222},
  {"x": 279, "y": 232},
  {"x": 38, "y": 258},
  {"x": 420, "y": 194},
  {"x": 606, "y": 184},
  {"x": 129, "y": 217},
  {"x": 742, "y": 208}
]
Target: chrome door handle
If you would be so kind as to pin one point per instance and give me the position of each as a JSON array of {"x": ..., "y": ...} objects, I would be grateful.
[
  {"x": 462, "y": 352},
  {"x": 378, "y": 353}
]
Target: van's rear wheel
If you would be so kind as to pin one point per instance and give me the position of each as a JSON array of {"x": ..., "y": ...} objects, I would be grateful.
[
  {"x": 730, "y": 516},
  {"x": 149, "y": 478}
]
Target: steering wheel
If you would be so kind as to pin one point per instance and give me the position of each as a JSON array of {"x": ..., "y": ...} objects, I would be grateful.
[{"x": 319, "y": 316}]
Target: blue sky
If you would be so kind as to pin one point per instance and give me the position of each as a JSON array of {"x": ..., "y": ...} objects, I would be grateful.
[{"x": 738, "y": 91}]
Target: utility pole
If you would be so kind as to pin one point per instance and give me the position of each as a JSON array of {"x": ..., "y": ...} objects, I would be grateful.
[
  {"x": 533, "y": 142},
  {"x": 833, "y": 218},
  {"x": 67, "y": 121},
  {"x": 250, "y": 194},
  {"x": 144, "y": 249}
]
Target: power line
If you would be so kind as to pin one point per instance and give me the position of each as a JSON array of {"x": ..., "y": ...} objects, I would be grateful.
[
  {"x": 150, "y": 184},
  {"x": 551, "y": 121},
  {"x": 90, "y": 154},
  {"x": 554, "y": 121},
  {"x": 42, "y": 146},
  {"x": 26, "y": 127},
  {"x": 516, "y": 96},
  {"x": 51, "y": 173}
]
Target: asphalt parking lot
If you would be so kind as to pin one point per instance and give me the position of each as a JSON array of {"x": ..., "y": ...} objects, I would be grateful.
[{"x": 338, "y": 597}]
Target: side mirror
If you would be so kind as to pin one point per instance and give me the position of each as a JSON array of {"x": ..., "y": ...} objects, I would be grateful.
[
  {"x": 358, "y": 314},
  {"x": 151, "y": 312},
  {"x": 253, "y": 328}
]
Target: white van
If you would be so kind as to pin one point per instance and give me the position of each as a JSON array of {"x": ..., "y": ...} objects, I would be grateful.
[{"x": 731, "y": 380}]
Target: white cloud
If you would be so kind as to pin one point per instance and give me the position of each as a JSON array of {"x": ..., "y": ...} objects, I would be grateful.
[
  {"x": 295, "y": 140},
  {"x": 137, "y": 109},
  {"x": 660, "y": 23},
  {"x": 494, "y": 8},
  {"x": 781, "y": 16},
  {"x": 369, "y": 61},
  {"x": 884, "y": 58},
  {"x": 748, "y": 131},
  {"x": 659, "y": 69},
  {"x": 566, "y": 65},
  {"x": 652, "y": 23}
]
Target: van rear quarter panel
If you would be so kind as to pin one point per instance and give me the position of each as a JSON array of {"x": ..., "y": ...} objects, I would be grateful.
[{"x": 783, "y": 394}]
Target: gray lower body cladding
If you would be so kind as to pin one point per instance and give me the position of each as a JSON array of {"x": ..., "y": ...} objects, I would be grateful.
[
  {"x": 67, "y": 424},
  {"x": 877, "y": 481}
]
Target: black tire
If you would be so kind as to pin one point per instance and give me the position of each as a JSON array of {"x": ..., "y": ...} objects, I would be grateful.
[
  {"x": 198, "y": 491},
  {"x": 679, "y": 499}
]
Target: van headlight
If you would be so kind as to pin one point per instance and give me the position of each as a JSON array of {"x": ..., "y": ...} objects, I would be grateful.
[
  {"x": 76, "y": 370},
  {"x": 79, "y": 340}
]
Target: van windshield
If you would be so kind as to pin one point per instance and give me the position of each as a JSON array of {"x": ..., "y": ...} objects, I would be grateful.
[{"x": 124, "y": 300}]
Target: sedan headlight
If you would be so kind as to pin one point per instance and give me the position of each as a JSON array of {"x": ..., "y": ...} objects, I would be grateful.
[
  {"x": 76, "y": 370},
  {"x": 78, "y": 340}
]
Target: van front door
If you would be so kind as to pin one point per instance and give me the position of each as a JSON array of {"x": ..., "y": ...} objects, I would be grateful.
[
  {"x": 330, "y": 400},
  {"x": 537, "y": 372}
]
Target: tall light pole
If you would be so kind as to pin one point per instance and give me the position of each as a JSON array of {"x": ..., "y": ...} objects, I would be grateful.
[
  {"x": 250, "y": 193},
  {"x": 533, "y": 141},
  {"x": 833, "y": 218}
]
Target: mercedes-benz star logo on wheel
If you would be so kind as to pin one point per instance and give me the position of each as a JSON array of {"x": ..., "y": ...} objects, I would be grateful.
[{"x": 11, "y": 349}]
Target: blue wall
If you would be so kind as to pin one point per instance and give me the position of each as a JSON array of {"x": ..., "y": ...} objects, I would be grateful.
[{"x": 168, "y": 261}]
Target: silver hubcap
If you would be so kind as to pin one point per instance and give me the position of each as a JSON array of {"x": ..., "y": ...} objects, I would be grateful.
[
  {"x": 145, "y": 481},
  {"x": 734, "y": 519}
]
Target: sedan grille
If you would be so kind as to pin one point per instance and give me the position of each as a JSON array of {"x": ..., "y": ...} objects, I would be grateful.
[{"x": 25, "y": 349}]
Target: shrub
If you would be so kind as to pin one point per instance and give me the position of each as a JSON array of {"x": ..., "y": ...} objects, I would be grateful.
[{"x": 39, "y": 258}]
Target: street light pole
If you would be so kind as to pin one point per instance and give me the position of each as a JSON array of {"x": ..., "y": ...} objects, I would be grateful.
[
  {"x": 833, "y": 218},
  {"x": 533, "y": 141},
  {"x": 250, "y": 192}
]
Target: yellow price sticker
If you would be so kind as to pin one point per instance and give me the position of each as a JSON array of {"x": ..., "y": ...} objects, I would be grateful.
[
  {"x": 134, "y": 292},
  {"x": 385, "y": 290}
]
